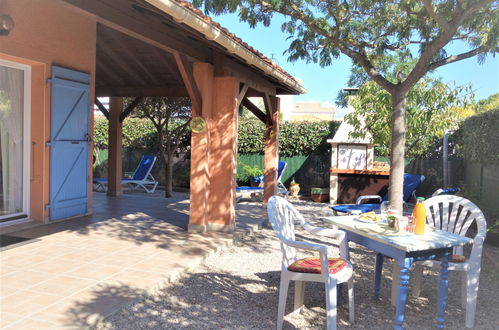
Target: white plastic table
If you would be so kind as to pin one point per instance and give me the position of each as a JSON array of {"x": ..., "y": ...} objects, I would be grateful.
[{"x": 404, "y": 248}]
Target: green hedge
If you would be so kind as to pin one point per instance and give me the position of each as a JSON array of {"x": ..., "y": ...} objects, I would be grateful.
[
  {"x": 296, "y": 138},
  {"x": 478, "y": 138},
  {"x": 137, "y": 133}
]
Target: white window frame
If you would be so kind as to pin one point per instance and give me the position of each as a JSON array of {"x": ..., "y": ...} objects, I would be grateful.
[{"x": 26, "y": 142}]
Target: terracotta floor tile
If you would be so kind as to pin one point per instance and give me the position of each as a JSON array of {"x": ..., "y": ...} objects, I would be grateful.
[
  {"x": 62, "y": 285},
  {"x": 95, "y": 271},
  {"x": 8, "y": 318},
  {"x": 24, "y": 279},
  {"x": 122, "y": 260},
  {"x": 58, "y": 266},
  {"x": 30, "y": 324}
]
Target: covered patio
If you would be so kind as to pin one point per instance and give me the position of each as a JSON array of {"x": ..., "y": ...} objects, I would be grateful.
[{"x": 75, "y": 273}]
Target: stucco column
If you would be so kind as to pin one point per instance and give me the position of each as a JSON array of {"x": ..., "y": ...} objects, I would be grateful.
[
  {"x": 199, "y": 179},
  {"x": 271, "y": 152},
  {"x": 223, "y": 155},
  {"x": 114, "y": 164}
]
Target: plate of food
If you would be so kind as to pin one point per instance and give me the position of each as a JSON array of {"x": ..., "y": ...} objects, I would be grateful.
[{"x": 369, "y": 217}]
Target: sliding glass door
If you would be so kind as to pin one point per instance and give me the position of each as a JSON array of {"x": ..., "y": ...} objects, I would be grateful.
[{"x": 14, "y": 129}]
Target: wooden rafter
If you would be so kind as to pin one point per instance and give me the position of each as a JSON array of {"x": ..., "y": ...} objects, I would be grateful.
[
  {"x": 134, "y": 91},
  {"x": 164, "y": 62},
  {"x": 132, "y": 57},
  {"x": 242, "y": 94},
  {"x": 185, "y": 69},
  {"x": 116, "y": 58},
  {"x": 102, "y": 108},
  {"x": 269, "y": 109},
  {"x": 101, "y": 67},
  {"x": 122, "y": 17},
  {"x": 130, "y": 108},
  {"x": 254, "y": 110}
]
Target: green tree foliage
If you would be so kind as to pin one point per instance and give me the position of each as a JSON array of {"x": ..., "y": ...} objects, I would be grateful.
[
  {"x": 370, "y": 31},
  {"x": 490, "y": 103},
  {"x": 170, "y": 117},
  {"x": 431, "y": 109}
]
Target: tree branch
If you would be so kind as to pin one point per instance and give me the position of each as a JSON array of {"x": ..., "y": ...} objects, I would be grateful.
[
  {"x": 455, "y": 58},
  {"x": 441, "y": 21}
]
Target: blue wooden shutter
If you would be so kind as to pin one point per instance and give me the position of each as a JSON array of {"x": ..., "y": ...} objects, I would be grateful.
[{"x": 69, "y": 143}]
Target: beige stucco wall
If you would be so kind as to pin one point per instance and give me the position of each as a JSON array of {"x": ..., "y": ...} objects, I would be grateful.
[{"x": 46, "y": 33}]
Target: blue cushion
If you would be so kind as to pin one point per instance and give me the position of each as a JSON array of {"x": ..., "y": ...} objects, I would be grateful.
[
  {"x": 245, "y": 188},
  {"x": 356, "y": 207}
]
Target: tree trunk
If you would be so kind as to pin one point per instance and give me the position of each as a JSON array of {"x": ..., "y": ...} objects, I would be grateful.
[
  {"x": 397, "y": 156},
  {"x": 168, "y": 175}
]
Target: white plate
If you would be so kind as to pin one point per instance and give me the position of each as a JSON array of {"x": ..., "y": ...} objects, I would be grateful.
[{"x": 367, "y": 221}]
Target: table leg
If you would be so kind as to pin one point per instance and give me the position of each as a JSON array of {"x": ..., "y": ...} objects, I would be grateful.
[
  {"x": 443, "y": 290},
  {"x": 377, "y": 275},
  {"x": 402, "y": 292}
]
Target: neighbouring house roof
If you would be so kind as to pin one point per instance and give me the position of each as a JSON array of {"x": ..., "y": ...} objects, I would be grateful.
[{"x": 184, "y": 12}]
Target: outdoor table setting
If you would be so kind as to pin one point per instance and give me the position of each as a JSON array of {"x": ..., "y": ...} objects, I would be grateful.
[{"x": 404, "y": 246}]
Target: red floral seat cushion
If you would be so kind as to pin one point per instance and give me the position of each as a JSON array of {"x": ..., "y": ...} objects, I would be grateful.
[
  {"x": 457, "y": 258},
  {"x": 313, "y": 265}
]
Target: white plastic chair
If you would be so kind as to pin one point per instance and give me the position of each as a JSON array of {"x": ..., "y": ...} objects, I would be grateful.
[
  {"x": 456, "y": 214},
  {"x": 282, "y": 216}
]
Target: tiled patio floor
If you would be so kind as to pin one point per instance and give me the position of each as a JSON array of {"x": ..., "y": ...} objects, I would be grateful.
[{"x": 78, "y": 271}]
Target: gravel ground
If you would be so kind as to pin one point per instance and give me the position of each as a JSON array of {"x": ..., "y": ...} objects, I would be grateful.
[{"x": 238, "y": 289}]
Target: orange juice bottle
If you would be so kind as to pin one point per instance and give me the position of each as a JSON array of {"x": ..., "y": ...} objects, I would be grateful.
[{"x": 419, "y": 214}]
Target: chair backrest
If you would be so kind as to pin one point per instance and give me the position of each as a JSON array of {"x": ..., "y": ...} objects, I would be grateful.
[
  {"x": 282, "y": 216},
  {"x": 144, "y": 167},
  {"x": 281, "y": 167},
  {"x": 454, "y": 214},
  {"x": 411, "y": 183}
]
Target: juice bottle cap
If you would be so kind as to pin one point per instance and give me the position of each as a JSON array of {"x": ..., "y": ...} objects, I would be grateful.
[{"x": 420, "y": 199}]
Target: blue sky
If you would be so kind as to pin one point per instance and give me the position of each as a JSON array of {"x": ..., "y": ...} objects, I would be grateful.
[{"x": 323, "y": 84}]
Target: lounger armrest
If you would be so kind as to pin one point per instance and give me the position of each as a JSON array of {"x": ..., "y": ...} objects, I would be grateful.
[{"x": 367, "y": 197}]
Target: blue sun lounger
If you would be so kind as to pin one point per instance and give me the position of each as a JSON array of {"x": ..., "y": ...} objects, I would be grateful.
[
  {"x": 244, "y": 191},
  {"x": 411, "y": 183},
  {"x": 142, "y": 177}
]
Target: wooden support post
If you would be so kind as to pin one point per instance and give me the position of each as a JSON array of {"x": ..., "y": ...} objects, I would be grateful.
[
  {"x": 223, "y": 155},
  {"x": 115, "y": 142},
  {"x": 200, "y": 181},
  {"x": 271, "y": 148}
]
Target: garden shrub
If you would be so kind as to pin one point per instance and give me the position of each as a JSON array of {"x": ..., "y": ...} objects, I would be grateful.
[
  {"x": 477, "y": 138},
  {"x": 296, "y": 138}
]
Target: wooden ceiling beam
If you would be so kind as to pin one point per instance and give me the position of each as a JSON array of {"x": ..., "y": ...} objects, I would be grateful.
[
  {"x": 242, "y": 94},
  {"x": 185, "y": 69},
  {"x": 254, "y": 110},
  {"x": 130, "y": 56},
  {"x": 112, "y": 55},
  {"x": 130, "y": 108},
  {"x": 169, "y": 66},
  {"x": 269, "y": 109},
  {"x": 123, "y": 18},
  {"x": 108, "y": 73},
  {"x": 148, "y": 91},
  {"x": 227, "y": 67},
  {"x": 102, "y": 108}
]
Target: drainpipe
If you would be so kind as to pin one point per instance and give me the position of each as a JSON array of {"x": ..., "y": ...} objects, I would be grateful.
[
  {"x": 185, "y": 16},
  {"x": 445, "y": 159}
]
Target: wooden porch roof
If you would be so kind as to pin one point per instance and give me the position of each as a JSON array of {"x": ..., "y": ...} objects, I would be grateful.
[{"x": 139, "y": 47}]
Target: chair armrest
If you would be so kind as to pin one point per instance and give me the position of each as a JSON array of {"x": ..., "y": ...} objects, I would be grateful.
[
  {"x": 367, "y": 197},
  {"x": 311, "y": 247},
  {"x": 320, "y": 231}
]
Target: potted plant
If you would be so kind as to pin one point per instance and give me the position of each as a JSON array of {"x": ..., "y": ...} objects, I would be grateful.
[
  {"x": 319, "y": 195},
  {"x": 294, "y": 188},
  {"x": 254, "y": 173}
]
